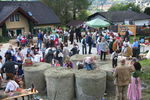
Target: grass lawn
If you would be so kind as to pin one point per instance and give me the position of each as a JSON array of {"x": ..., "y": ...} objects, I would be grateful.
[
  {"x": 145, "y": 63},
  {"x": 146, "y": 78},
  {"x": 146, "y": 70}
]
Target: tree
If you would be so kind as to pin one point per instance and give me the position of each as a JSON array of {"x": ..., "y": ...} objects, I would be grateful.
[
  {"x": 68, "y": 9},
  {"x": 79, "y": 6},
  {"x": 122, "y": 7},
  {"x": 4, "y": 30},
  {"x": 147, "y": 10}
]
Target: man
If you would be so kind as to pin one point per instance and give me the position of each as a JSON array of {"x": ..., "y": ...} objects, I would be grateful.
[
  {"x": 9, "y": 67},
  {"x": 78, "y": 34},
  {"x": 84, "y": 48},
  {"x": 72, "y": 35},
  {"x": 90, "y": 42},
  {"x": 122, "y": 76},
  {"x": 135, "y": 48},
  {"x": 40, "y": 39}
]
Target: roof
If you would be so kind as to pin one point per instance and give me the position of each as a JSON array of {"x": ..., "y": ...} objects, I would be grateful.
[
  {"x": 75, "y": 23},
  {"x": 119, "y": 16},
  {"x": 9, "y": 10},
  {"x": 43, "y": 14}
]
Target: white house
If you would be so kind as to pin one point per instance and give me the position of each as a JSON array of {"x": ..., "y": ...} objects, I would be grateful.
[{"x": 123, "y": 17}]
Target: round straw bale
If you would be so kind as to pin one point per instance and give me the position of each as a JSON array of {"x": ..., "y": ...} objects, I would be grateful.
[
  {"x": 110, "y": 87},
  {"x": 60, "y": 84},
  {"x": 35, "y": 75},
  {"x": 90, "y": 85}
]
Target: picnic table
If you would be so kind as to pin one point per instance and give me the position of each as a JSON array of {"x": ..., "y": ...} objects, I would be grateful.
[{"x": 21, "y": 95}]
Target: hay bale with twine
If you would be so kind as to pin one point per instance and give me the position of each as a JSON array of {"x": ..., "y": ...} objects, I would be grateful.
[
  {"x": 60, "y": 84},
  {"x": 90, "y": 85},
  {"x": 35, "y": 75},
  {"x": 110, "y": 87}
]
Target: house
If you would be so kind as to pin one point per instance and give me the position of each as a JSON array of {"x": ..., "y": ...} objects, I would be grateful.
[
  {"x": 75, "y": 23},
  {"x": 19, "y": 16},
  {"x": 123, "y": 17}
]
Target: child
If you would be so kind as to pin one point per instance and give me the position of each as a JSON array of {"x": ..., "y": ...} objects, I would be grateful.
[
  {"x": 80, "y": 65},
  {"x": 114, "y": 57},
  {"x": 89, "y": 62},
  {"x": 68, "y": 63}
]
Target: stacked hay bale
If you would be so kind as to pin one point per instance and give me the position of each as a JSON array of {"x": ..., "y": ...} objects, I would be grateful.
[
  {"x": 110, "y": 87},
  {"x": 90, "y": 85},
  {"x": 35, "y": 75},
  {"x": 60, "y": 84}
]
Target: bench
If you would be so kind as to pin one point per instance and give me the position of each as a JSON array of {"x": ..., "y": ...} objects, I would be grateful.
[{"x": 22, "y": 95}]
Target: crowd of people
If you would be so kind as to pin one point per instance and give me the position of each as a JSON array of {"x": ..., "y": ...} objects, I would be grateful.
[{"x": 52, "y": 47}]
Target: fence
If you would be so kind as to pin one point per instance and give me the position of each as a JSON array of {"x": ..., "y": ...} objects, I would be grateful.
[{"x": 139, "y": 30}]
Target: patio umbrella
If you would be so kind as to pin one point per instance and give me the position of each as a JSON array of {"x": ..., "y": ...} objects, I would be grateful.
[{"x": 97, "y": 23}]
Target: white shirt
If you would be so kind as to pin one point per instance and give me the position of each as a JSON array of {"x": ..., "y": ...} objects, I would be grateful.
[
  {"x": 11, "y": 86},
  {"x": 37, "y": 58},
  {"x": 88, "y": 60},
  {"x": 126, "y": 43}
]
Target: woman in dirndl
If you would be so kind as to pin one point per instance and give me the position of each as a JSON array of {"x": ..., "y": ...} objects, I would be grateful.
[{"x": 134, "y": 88}]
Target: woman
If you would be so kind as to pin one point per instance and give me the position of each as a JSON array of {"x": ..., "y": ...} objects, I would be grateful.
[
  {"x": 125, "y": 44},
  {"x": 28, "y": 59},
  {"x": 11, "y": 86},
  {"x": 103, "y": 47},
  {"x": 134, "y": 88}
]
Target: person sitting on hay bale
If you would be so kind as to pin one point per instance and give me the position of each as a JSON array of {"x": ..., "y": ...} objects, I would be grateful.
[
  {"x": 68, "y": 63},
  {"x": 80, "y": 65},
  {"x": 89, "y": 62}
]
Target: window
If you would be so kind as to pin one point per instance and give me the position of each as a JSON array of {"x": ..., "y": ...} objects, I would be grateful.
[
  {"x": 12, "y": 18},
  {"x": 16, "y": 17}
]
